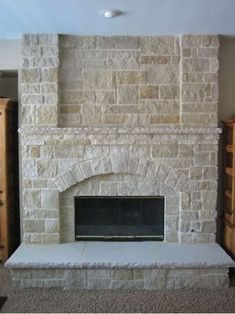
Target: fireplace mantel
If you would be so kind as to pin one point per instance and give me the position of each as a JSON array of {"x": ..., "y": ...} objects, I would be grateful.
[{"x": 116, "y": 130}]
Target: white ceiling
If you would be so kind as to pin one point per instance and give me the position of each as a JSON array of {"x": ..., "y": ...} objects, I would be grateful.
[{"x": 141, "y": 17}]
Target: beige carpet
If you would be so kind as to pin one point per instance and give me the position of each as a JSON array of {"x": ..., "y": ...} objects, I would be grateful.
[{"x": 56, "y": 300}]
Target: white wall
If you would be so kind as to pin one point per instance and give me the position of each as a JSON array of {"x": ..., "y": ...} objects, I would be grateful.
[
  {"x": 141, "y": 17},
  {"x": 227, "y": 77},
  {"x": 10, "y": 61},
  {"x": 9, "y": 54},
  {"x": 9, "y": 87}
]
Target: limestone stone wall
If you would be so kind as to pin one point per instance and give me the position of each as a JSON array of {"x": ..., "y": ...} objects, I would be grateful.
[
  {"x": 138, "y": 81},
  {"x": 180, "y": 165},
  {"x": 121, "y": 278},
  {"x": 39, "y": 80},
  {"x": 119, "y": 80},
  {"x": 143, "y": 116},
  {"x": 199, "y": 80}
]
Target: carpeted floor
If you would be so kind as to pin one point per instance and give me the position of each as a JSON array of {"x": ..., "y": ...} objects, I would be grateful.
[{"x": 56, "y": 300}]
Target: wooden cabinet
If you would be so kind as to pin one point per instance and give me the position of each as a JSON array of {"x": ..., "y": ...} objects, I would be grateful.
[
  {"x": 229, "y": 186},
  {"x": 9, "y": 179}
]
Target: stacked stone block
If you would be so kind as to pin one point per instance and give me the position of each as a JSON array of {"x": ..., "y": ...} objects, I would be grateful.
[
  {"x": 129, "y": 87},
  {"x": 39, "y": 80},
  {"x": 199, "y": 80},
  {"x": 179, "y": 165},
  {"x": 120, "y": 80},
  {"x": 121, "y": 278},
  {"x": 139, "y": 81}
]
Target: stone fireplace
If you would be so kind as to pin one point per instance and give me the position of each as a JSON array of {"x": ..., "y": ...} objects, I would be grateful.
[{"x": 119, "y": 117}]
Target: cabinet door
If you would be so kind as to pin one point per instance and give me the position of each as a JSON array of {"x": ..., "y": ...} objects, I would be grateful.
[
  {"x": 4, "y": 237},
  {"x": 233, "y": 179}
]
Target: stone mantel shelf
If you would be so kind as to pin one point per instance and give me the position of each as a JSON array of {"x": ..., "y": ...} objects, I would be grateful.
[{"x": 116, "y": 130}]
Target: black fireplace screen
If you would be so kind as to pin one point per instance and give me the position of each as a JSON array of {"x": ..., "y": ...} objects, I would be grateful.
[{"x": 119, "y": 218}]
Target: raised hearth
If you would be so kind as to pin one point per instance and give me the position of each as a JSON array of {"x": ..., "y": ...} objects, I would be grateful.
[{"x": 120, "y": 265}]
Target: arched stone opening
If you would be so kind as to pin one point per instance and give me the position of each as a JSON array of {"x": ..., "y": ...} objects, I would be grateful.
[{"x": 114, "y": 177}]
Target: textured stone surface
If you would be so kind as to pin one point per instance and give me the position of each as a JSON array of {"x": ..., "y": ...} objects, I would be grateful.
[
  {"x": 131, "y": 77},
  {"x": 123, "y": 274},
  {"x": 151, "y": 61},
  {"x": 34, "y": 225},
  {"x": 49, "y": 199},
  {"x": 40, "y": 61},
  {"x": 163, "y": 74},
  {"x": 47, "y": 168},
  {"x": 117, "y": 42},
  {"x": 199, "y": 70},
  {"x": 31, "y": 199},
  {"x": 154, "y": 279},
  {"x": 163, "y": 45},
  {"x": 151, "y": 162},
  {"x": 159, "y": 266},
  {"x": 149, "y": 92},
  {"x": 144, "y": 82},
  {"x": 52, "y": 226},
  {"x": 127, "y": 94},
  {"x": 123, "y": 60},
  {"x": 164, "y": 119},
  {"x": 75, "y": 279}
]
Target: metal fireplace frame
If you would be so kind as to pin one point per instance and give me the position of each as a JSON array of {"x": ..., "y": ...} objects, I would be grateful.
[{"x": 158, "y": 237}]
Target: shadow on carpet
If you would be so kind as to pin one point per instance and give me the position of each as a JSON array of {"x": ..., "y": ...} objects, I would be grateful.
[{"x": 2, "y": 301}]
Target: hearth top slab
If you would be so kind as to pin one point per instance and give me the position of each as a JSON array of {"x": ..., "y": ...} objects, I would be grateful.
[{"x": 119, "y": 254}]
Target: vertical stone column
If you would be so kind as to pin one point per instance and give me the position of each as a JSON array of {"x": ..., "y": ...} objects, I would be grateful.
[
  {"x": 39, "y": 78},
  {"x": 39, "y": 108},
  {"x": 199, "y": 80},
  {"x": 198, "y": 108}
]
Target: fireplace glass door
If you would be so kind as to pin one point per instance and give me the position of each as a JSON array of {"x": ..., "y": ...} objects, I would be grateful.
[{"x": 119, "y": 218}]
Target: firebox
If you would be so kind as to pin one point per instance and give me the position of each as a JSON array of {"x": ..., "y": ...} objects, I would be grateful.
[{"x": 119, "y": 218}]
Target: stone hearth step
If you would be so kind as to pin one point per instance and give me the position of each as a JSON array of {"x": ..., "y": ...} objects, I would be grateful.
[{"x": 117, "y": 265}]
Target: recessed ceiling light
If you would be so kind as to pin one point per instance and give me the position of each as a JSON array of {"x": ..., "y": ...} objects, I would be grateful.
[{"x": 108, "y": 14}]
